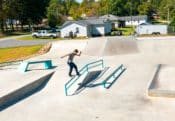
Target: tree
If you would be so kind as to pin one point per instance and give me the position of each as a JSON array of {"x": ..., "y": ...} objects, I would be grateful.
[
  {"x": 90, "y": 8},
  {"x": 104, "y": 6},
  {"x": 146, "y": 8},
  {"x": 2, "y": 15},
  {"x": 167, "y": 9},
  {"x": 52, "y": 20},
  {"x": 61, "y": 9},
  {"x": 56, "y": 10},
  {"x": 120, "y": 7},
  {"x": 75, "y": 11},
  {"x": 35, "y": 10}
]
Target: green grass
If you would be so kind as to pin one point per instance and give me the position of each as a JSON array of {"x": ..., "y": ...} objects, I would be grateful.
[
  {"x": 127, "y": 30},
  {"x": 29, "y": 37},
  {"x": 14, "y": 53},
  {"x": 11, "y": 34},
  {"x": 159, "y": 21}
]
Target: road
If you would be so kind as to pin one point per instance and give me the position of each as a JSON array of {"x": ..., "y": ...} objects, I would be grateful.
[{"x": 12, "y": 42}]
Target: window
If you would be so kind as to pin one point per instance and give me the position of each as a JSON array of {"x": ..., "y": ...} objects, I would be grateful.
[{"x": 77, "y": 30}]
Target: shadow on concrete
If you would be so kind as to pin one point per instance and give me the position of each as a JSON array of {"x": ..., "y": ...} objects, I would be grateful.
[
  {"x": 90, "y": 78},
  {"x": 109, "y": 84},
  {"x": 26, "y": 95}
]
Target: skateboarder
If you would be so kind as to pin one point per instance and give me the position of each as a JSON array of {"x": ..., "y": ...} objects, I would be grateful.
[{"x": 70, "y": 62}]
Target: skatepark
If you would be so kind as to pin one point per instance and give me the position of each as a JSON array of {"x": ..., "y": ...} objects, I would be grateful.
[{"x": 123, "y": 78}]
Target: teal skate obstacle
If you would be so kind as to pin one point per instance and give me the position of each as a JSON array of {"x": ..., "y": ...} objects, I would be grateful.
[
  {"x": 90, "y": 76},
  {"x": 25, "y": 65}
]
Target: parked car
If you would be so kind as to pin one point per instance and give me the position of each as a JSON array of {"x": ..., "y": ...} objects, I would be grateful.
[
  {"x": 44, "y": 33},
  {"x": 117, "y": 33}
]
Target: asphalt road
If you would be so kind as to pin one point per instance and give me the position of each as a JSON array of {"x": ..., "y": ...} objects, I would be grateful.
[{"x": 11, "y": 42}]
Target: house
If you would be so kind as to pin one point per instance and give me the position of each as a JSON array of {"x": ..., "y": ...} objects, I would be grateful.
[
  {"x": 125, "y": 20},
  {"x": 86, "y": 28},
  {"x": 133, "y": 20},
  {"x": 114, "y": 19}
]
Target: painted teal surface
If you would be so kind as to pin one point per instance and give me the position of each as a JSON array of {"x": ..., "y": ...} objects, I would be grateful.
[
  {"x": 82, "y": 71},
  {"x": 24, "y": 65},
  {"x": 113, "y": 75}
]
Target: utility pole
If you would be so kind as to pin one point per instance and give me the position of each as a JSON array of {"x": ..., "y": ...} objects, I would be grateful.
[
  {"x": 168, "y": 16},
  {"x": 131, "y": 14}
]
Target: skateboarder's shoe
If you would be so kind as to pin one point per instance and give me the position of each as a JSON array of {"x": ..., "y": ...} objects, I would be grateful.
[{"x": 78, "y": 74}]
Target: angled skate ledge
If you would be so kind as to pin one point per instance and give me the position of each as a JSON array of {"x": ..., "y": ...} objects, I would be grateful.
[
  {"x": 24, "y": 91},
  {"x": 159, "y": 92}
]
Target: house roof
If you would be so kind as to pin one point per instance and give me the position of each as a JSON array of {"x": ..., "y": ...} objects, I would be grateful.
[
  {"x": 129, "y": 18},
  {"x": 124, "y": 18},
  {"x": 93, "y": 21},
  {"x": 110, "y": 17},
  {"x": 86, "y": 22}
]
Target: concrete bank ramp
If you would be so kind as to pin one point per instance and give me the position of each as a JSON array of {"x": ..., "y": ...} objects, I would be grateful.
[
  {"x": 16, "y": 86},
  {"x": 111, "y": 46}
]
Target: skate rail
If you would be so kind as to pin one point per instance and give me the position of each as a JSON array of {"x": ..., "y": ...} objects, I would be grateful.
[
  {"x": 82, "y": 71},
  {"x": 114, "y": 76}
]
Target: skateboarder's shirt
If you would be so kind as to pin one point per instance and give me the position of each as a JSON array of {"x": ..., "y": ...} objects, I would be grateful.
[{"x": 71, "y": 57}]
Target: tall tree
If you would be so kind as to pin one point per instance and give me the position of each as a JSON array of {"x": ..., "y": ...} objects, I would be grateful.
[
  {"x": 56, "y": 12},
  {"x": 90, "y": 8},
  {"x": 2, "y": 15},
  {"x": 146, "y": 8},
  {"x": 74, "y": 11},
  {"x": 60, "y": 9},
  {"x": 167, "y": 9},
  {"x": 120, "y": 7},
  {"x": 104, "y": 6}
]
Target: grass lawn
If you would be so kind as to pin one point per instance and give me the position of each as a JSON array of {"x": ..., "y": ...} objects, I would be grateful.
[
  {"x": 11, "y": 34},
  {"x": 10, "y": 54},
  {"x": 127, "y": 30},
  {"x": 29, "y": 37}
]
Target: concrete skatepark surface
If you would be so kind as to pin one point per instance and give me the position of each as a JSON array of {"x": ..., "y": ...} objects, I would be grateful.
[{"x": 126, "y": 100}]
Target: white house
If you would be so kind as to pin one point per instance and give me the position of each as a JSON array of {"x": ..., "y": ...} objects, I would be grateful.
[
  {"x": 125, "y": 20},
  {"x": 86, "y": 28},
  {"x": 133, "y": 20}
]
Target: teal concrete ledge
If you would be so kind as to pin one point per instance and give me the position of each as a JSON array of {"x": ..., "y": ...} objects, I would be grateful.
[
  {"x": 25, "y": 65},
  {"x": 23, "y": 92}
]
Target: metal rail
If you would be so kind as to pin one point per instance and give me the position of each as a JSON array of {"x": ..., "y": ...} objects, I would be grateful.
[{"x": 82, "y": 71}]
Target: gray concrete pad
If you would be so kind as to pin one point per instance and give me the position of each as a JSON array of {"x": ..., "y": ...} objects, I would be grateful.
[{"x": 126, "y": 100}]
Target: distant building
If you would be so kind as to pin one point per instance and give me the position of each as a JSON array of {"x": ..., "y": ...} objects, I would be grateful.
[
  {"x": 86, "y": 28},
  {"x": 114, "y": 20},
  {"x": 133, "y": 20},
  {"x": 126, "y": 20},
  {"x": 154, "y": 16}
]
